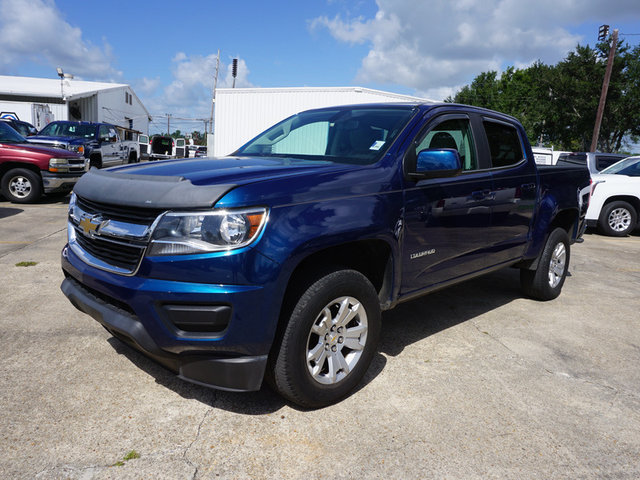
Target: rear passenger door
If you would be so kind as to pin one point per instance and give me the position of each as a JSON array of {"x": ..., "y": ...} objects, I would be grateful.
[{"x": 514, "y": 188}]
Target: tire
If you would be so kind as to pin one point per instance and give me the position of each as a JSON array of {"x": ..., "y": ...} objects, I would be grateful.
[
  {"x": 325, "y": 350},
  {"x": 617, "y": 219},
  {"x": 133, "y": 158},
  {"x": 20, "y": 185},
  {"x": 95, "y": 161},
  {"x": 546, "y": 281}
]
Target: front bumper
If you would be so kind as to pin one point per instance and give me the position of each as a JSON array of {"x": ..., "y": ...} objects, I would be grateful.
[
  {"x": 239, "y": 374},
  {"x": 59, "y": 182}
]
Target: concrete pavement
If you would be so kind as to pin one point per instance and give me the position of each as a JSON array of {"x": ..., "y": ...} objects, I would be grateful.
[{"x": 473, "y": 382}]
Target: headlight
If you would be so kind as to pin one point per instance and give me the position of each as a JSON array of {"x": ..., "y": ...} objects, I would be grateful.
[
  {"x": 179, "y": 233},
  {"x": 77, "y": 148},
  {"x": 59, "y": 165}
]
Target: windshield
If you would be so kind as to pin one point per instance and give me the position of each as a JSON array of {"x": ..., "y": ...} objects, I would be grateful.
[
  {"x": 356, "y": 135},
  {"x": 9, "y": 135},
  {"x": 63, "y": 129},
  {"x": 629, "y": 166}
]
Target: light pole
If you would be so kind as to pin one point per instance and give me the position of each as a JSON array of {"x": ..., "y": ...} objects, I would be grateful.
[{"x": 62, "y": 76}]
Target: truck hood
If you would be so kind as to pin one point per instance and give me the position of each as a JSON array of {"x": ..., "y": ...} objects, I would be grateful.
[
  {"x": 236, "y": 170},
  {"x": 196, "y": 183},
  {"x": 33, "y": 148},
  {"x": 47, "y": 139}
]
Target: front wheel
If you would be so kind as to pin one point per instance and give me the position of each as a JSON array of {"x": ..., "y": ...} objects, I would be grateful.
[
  {"x": 21, "y": 186},
  {"x": 617, "y": 219},
  {"x": 329, "y": 341},
  {"x": 546, "y": 281}
]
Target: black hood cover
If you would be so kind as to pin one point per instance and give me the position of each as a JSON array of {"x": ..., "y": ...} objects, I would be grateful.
[{"x": 147, "y": 191}]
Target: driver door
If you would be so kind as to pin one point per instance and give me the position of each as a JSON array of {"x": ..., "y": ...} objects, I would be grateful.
[{"x": 446, "y": 219}]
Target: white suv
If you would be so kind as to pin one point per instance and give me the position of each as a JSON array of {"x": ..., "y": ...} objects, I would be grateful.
[{"x": 615, "y": 198}]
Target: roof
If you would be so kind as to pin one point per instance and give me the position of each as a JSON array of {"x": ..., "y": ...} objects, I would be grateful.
[
  {"x": 50, "y": 87},
  {"x": 380, "y": 93}
]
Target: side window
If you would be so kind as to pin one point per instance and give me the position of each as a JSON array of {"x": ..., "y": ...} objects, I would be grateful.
[
  {"x": 504, "y": 144},
  {"x": 104, "y": 132},
  {"x": 456, "y": 134},
  {"x": 603, "y": 161}
]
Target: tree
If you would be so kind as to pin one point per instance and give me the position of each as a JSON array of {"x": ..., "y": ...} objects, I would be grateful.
[{"x": 557, "y": 104}]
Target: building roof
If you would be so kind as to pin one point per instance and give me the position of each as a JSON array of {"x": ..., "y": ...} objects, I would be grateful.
[
  {"x": 50, "y": 87},
  {"x": 370, "y": 91}
]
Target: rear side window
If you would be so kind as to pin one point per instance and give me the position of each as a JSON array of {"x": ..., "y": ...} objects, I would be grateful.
[
  {"x": 604, "y": 161},
  {"x": 504, "y": 144}
]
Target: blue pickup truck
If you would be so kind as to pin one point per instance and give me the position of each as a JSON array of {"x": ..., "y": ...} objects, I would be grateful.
[
  {"x": 276, "y": 262},
  {"x": 100, "y": 143}
]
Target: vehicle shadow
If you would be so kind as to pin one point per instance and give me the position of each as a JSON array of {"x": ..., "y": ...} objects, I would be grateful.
[
  {"x": 423, "y": 317},
  {"x": 408, "y": 323},
  {"x": 9, "y": 212}
]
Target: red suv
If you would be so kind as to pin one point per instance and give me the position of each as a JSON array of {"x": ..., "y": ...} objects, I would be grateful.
[{"x": 28, "y": 171}]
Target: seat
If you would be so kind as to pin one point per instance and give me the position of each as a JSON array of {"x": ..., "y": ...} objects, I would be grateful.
[{"x": 443, "y": 140}]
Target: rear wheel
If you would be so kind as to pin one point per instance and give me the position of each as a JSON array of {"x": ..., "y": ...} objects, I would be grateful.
[
  {"x": 546, "y": 281},
  {"x": 617, "y": 219},
  {"x": 329, "y": 340},
  {"x": 20, "y": 185},
  {"x": 133, "y": 158}
]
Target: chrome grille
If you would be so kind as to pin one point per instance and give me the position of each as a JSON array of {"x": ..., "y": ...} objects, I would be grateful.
[
  {"x": 110, "y": 237},
  {"x": 117, "y": 254}
]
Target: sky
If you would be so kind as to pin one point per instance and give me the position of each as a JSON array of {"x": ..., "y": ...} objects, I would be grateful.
[{"x": 167, "y": 50}]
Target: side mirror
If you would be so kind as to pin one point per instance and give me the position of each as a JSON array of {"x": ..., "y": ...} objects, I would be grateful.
[{"x": 444, "y": 162}]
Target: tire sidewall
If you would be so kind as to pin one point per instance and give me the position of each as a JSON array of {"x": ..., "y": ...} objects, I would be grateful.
[
  {"x": 34, "y": 180},
  {"x": 604, "y": 219},
  {"x": 535, "y": 283},
  {"x": 555, "y": 238},
  {"x": 294, "y": 346}
]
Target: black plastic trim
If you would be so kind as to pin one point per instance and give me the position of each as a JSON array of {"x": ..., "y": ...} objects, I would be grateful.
[
  {"x": 147, "y": 191},
  {"x": 236, "y": 374}
]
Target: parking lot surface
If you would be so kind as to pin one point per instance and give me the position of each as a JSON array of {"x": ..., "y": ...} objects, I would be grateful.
[{"x": 473, "y": 382}]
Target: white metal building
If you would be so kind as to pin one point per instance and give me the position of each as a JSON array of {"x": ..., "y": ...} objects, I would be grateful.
[
  {"x": 42, "y": 100},
  {"x": 242, "y": 113}
]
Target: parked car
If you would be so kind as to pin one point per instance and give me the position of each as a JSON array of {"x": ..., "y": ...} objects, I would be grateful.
[
  {"x": 99, "y": 142},
  {"x": 615, "y": 199},
  {"x": 23, "y": 128},
  {"x": 27, "y": 171},
  {"x": 278, "y": 260},
  {"x": 594, "y": 161},
  {"x": 201, "y": 151}
]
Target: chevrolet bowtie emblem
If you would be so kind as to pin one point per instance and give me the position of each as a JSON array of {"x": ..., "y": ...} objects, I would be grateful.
[{"x": 90, "y": 224}]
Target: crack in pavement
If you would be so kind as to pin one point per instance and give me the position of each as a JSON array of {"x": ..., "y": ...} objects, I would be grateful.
[{"x": 186, "y": 451}]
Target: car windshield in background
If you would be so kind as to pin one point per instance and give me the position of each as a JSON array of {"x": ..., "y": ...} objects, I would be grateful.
[
  {"x": 343, "y": 135},
  {"x": 56, "y": 129},
  {"x": 629, "y": 166},
  {"x": 9, "y": 135}
]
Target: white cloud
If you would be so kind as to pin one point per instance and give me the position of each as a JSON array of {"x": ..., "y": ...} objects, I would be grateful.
[
  {"x": 189, "y": 94},
  {"x": 435, "y": 46},
  {"x": 35, "y": 30}
]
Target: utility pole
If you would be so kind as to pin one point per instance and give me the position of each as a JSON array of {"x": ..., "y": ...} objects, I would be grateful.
[
  {"x": 213, "y": 96},
  {"x": 605, "y": 85},
  {"x": 168, "y": 124}
]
